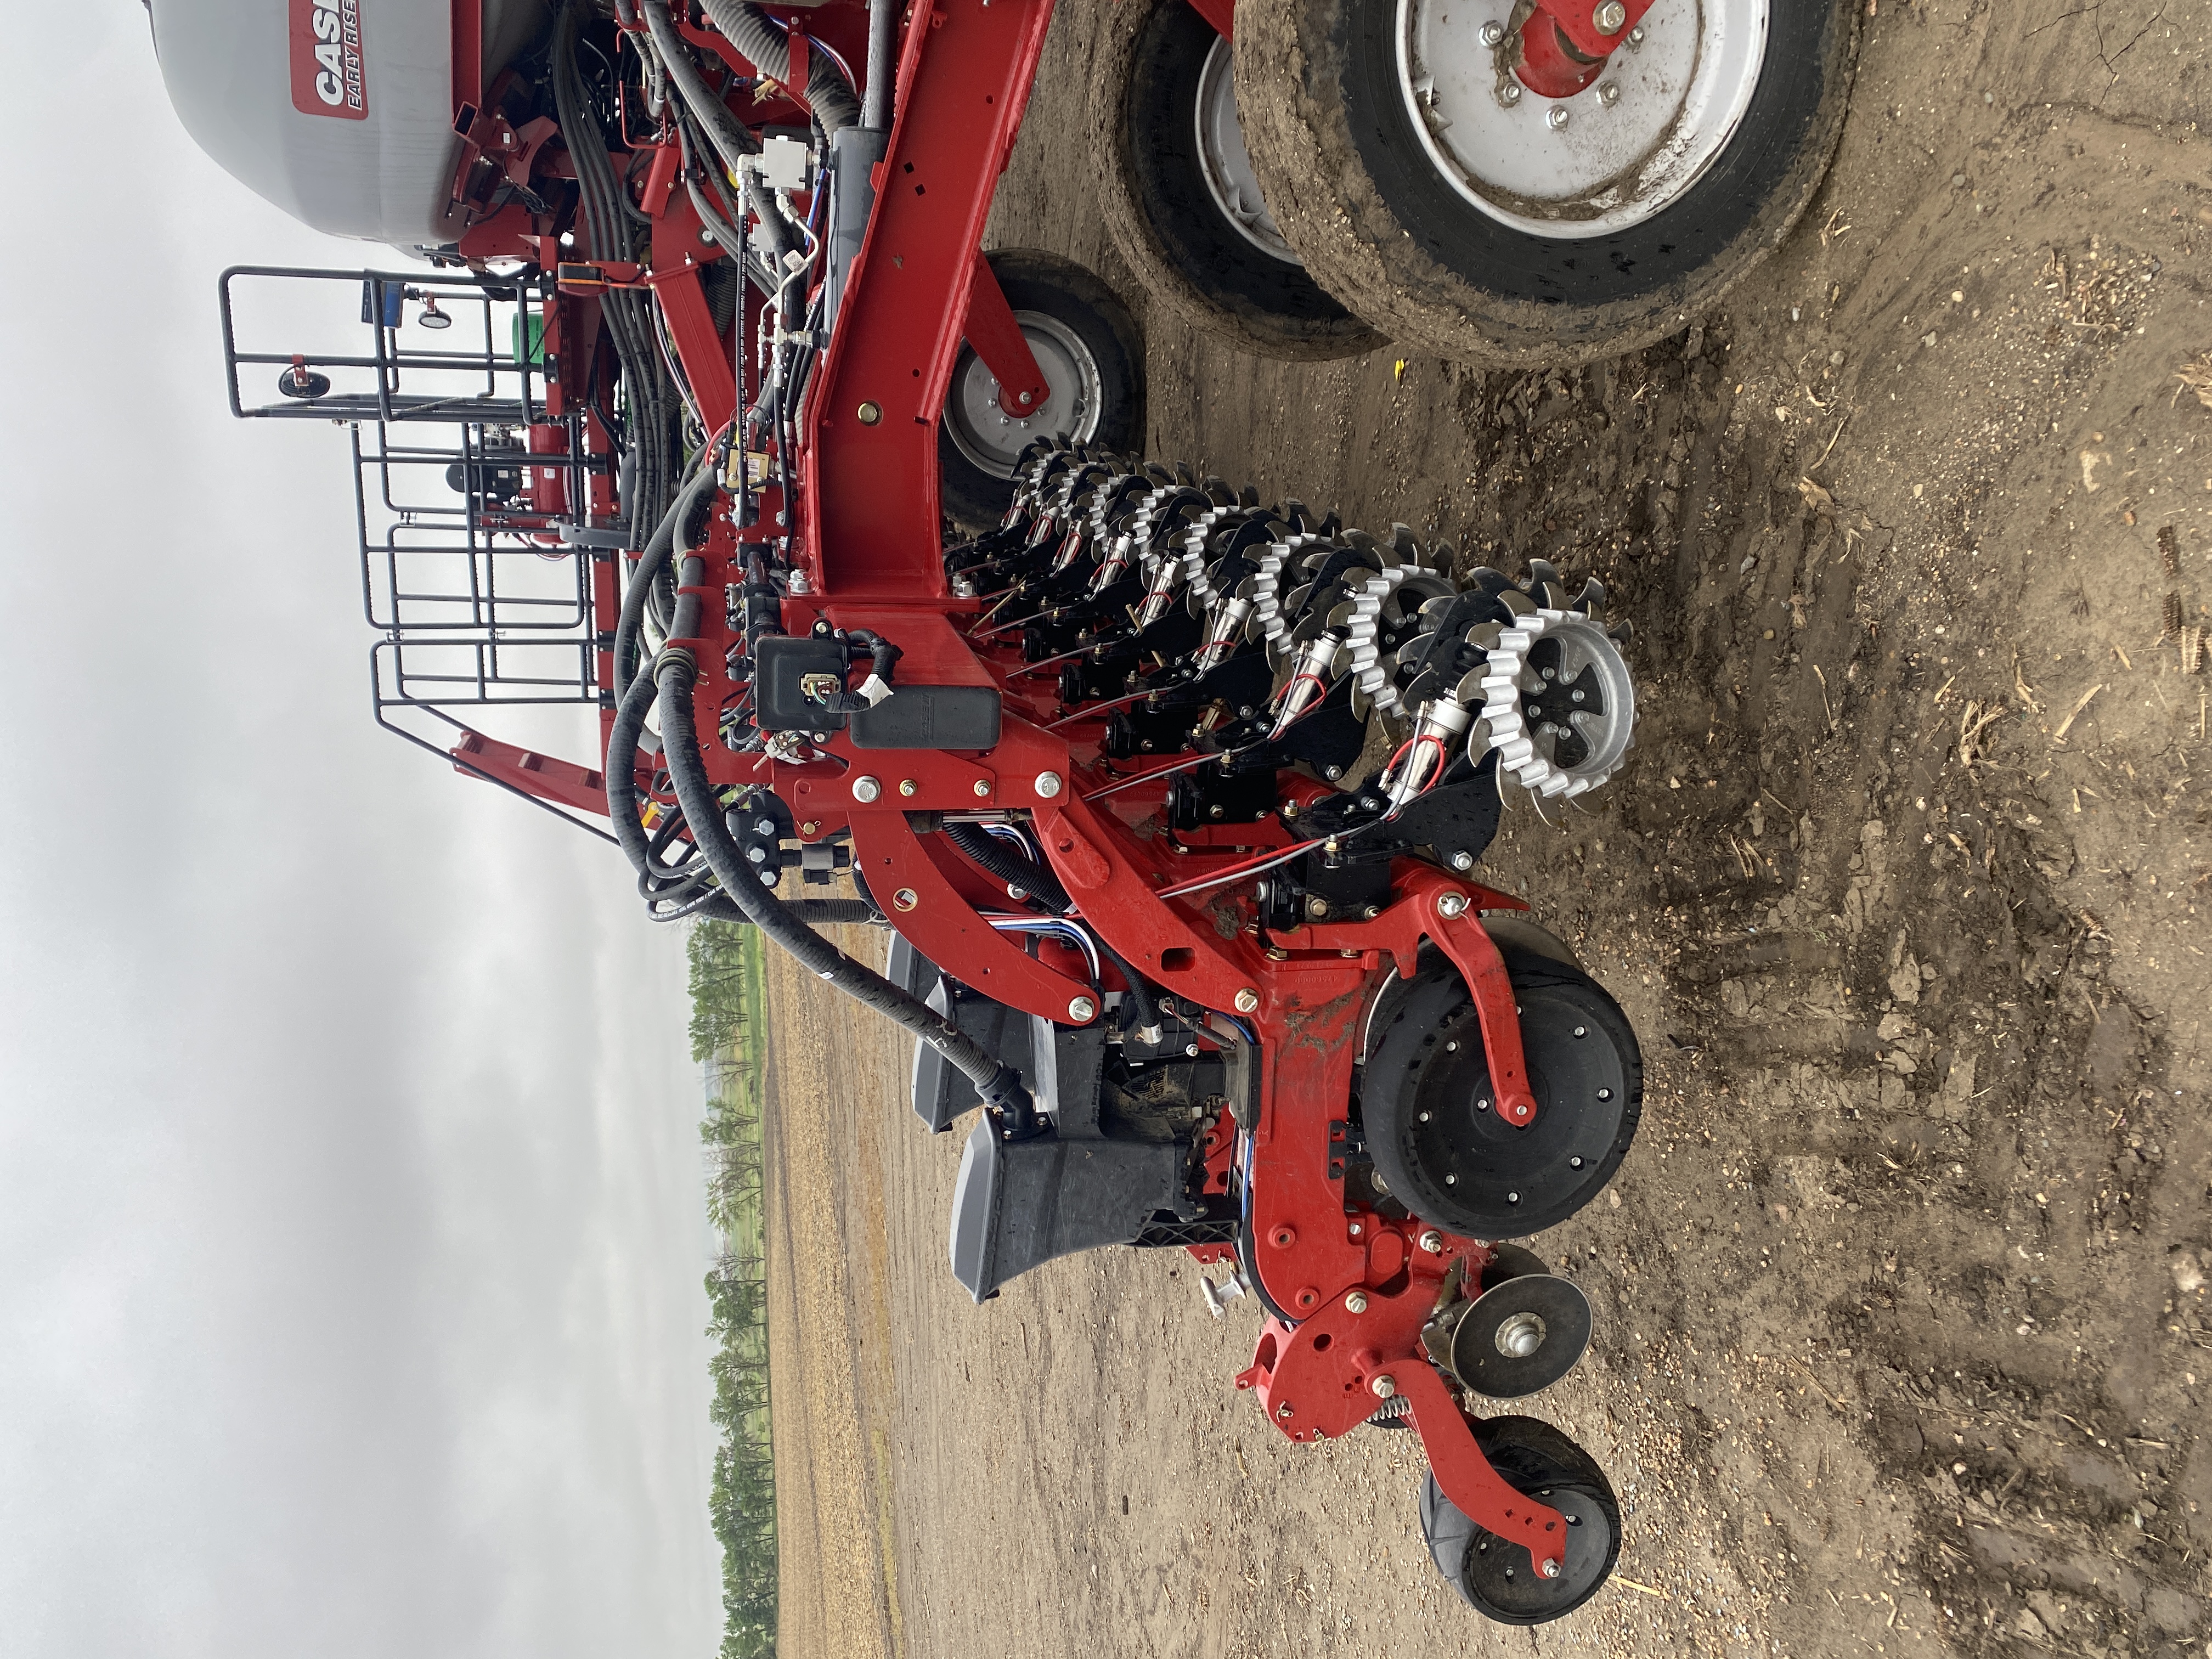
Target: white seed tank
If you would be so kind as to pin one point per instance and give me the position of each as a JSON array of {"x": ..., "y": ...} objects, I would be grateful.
[{"x": 338, "y": 112}]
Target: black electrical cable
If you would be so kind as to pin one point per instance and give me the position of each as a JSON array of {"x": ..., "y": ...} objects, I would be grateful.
[
  {"x": 1010, "y": 865},
  {"x": 676, "y": 674}
]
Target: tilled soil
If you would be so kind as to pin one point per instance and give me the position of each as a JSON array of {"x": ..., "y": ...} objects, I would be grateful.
[{"x": 1903, "y": 1339}]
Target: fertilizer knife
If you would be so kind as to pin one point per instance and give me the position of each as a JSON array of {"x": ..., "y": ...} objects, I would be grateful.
[{"x": 1170, "y": 797}]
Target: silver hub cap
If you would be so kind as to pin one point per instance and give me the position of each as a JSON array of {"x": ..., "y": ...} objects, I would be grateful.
[
  {"x": 991, "y": 440},
  {"x": 1612, "y": 156},
  {"x": 1521, "y": 1336},
  {"x": 1222, "y": 159}
]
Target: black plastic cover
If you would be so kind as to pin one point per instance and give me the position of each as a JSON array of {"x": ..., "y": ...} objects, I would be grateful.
[
  {"x": 930, "y": 717},
  {"x": 781, "y": 664},
  {"x": 941, "y": 1089},
  {"x": 1019, "y": 1204}
]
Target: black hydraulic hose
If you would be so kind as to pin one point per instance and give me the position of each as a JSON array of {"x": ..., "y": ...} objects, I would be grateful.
[
  {"x": 749, "y": 30},
  {"x": 649, "y": 563},
  {"x": 1011, "y": 866},
  {"x": 607, "y": 234},
  {"x": 730, "y": 138},
  {"x": 999, "y": 1086},
  {"x": 882, "y": 39},
  {"x": 621, "y": 809}
]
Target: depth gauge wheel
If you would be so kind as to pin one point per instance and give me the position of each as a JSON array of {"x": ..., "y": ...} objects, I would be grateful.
[
  {"x": 1092, "y": 357},
  {"x": 1429, "y": 1108},
  {"x": 1178, "y": 192},
  {"x": 1426, "y": 187},
  {"x": 1495, "y": 1577}
]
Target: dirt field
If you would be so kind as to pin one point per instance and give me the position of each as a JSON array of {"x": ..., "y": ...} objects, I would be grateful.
[{"x": 1902, "y": 1344}]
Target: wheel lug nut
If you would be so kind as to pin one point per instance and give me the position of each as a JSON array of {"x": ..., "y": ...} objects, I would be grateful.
[
  {"x": 1492, "y": 34},
  {"x": 1608, "y": 95},
  {"x": 1556, "y": 117},
  {"x": 1510, "y": 94}
]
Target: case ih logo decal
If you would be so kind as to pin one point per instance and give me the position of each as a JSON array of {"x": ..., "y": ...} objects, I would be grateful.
[{"x": 327, "y": 71}]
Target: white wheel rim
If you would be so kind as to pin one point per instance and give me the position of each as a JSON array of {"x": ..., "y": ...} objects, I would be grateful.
[
  {"x": 991, "y": 440},
  {"x": 1624, "y": 149},
  {"x": 1223, "y": 159}
]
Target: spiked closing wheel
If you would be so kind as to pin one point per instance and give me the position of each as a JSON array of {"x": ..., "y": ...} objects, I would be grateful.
[
  {"x": 1496, "y": 1577},
  {"x": 1427, "y": 1102},
  {"x": 1558, "y": 705}
]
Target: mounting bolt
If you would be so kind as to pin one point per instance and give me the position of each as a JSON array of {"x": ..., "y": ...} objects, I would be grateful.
[
  {"x": 1317, "y": 909},
  {"x": 1384, "y": 1387},
  {"x": 1356, "y": 1303},
  {"x": 909, "y": 786},
  {"x": 1283, "y": 1410},
  {"x": 1492, "y": 34},
  {"x": 1452, "y": 905},
  {"x": 1610, "y": 17},
  {"x": 1081, "y": 1009},
  {"x": 1510, "y": 94},
  {"x": 1431, "y": 1241},
  {"x": 1556, "y": 117},
  {"x": 1048, "y": 784},
  {"x": 866, "y": 789},
  {"x": 871, "y": 413},
  {"x": 904, "y": 899},
  {"x": 813, "y": 827},
  {"x": 1247, "y": 1001},
  {"x": 1463, "y": 860},
  {"x": 982, "y": 788},
  {"x": 1608, "y": 95},
  {"x": 1549, "y": 1568}
]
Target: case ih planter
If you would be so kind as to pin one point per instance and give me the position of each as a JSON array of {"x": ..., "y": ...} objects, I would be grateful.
[{"x": 1172, "y": 797}]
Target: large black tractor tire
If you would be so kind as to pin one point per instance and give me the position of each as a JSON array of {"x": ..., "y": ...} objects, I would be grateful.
[
  {"x": 1446, "y": 249},
  {"x": 1495, "y": 1577},
  {"x": 1191, "y": 228},
  {"x": 1093, "y": 358}
]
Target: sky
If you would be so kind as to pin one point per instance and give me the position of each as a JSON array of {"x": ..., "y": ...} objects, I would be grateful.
[{"x": 351, "y": 1230}]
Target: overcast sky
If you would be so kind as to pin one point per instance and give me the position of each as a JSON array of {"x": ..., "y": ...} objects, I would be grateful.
[{"x": 350, "y": 1223}]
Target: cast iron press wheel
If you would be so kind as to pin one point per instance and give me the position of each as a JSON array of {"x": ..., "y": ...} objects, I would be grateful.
[
  {"x": 1496, "y": 1577},
  {"x": 1426, "y": 187},
  {"x": 1092, "y": 357},
  {"x": 1178, "y": 192},
  {"x": 1430, "y": 1109}
]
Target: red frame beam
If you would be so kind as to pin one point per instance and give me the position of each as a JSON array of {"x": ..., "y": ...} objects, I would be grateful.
[{"x": 868, "y": 513}]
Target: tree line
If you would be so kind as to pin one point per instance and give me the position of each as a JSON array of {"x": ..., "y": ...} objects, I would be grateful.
[{"x": 727, "y": 1030}]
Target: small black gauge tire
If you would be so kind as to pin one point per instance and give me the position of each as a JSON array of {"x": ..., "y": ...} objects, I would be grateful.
[
  {"x": 1354, "y": 192},
  {"x": 1536, "y": 1459},
  {"x": 974, "y": 499},
  {"x": 1189, "y": 256}
]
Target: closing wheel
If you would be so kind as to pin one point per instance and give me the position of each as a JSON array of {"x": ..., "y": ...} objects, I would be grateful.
[
  {"x": 1428, "y": 1104},
  {"x": 1087, "y": 347},
  {"x": 1520, "y": 1335},
  {"x": 1427, "y": 185},
  {"x": 1495, "y": 1577},
  {"x": 1179, "y": 195}
]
